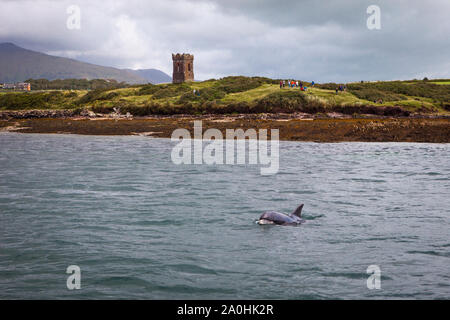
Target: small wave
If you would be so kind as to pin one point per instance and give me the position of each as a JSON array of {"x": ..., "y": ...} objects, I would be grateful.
[
  {"x": 351, "y": 275},
  {"x": 348, "y": 275},
  {"x": 311, "y": 269},
  {"x": 191, "y": 289},
  {"x": 306, "y": 217},
  {"x": 433, "y": 174},
  {"x": 164, "y": 222},
  {"x": 191, "y": 268},
  {"x": 363, "y": 180},
  {"x": 123, "y": 281},
  {"x": 446, "y": 245},
  {"x": 431, "y": 253}
]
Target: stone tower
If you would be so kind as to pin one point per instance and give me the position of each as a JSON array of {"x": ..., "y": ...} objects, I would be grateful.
[{"x": 183, "y": 67}]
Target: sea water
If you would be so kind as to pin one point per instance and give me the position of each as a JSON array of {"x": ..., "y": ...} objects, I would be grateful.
[{"x": 140, "y": 227}]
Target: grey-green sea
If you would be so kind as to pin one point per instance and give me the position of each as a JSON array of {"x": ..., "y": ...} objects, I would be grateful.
[{"x": 141, "y": 227}]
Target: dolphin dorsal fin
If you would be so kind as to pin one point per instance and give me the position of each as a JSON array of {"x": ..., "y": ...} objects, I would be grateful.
[{"x": 298, "y": 212}]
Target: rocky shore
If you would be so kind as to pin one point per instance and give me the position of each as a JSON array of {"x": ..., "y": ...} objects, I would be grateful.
[
  {"x": 293, "y": 127},
  {"x": 89, "y": 114}
]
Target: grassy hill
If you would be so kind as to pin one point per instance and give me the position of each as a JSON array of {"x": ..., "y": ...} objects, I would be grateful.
[{"x": 233, "y": 95}]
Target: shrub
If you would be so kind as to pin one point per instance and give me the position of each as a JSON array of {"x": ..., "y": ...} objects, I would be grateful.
[
  {"x": 375, "y": 94},
  {"x": 71, "y": 94},
  {"x": 147, "y": 89},
  {"x": 328, "y": 86},
  {"x": 239, "y": 83},
  {"x": 283, "y": 101},
  {"x": 171, "y": 90},
  {"x": 371, "y": 109},
  {"x": 439, "y": 93},
  {"x": 207, "y": 94},
  {"x": 92, "y": 96},
  {"x": 75, "y": 84},
  {"x": 41, "y": 100}
]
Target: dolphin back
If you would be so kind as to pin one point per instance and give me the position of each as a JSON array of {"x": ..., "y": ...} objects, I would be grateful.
[{"x": 278, "y": 218}]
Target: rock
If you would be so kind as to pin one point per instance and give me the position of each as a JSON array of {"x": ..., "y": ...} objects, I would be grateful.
[
  {"x": 88, "y": 113},
  {"x": 37, "y": 114}
]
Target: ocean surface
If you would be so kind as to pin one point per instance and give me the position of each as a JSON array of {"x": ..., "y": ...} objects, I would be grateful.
[{"x": 141, "y": 227}]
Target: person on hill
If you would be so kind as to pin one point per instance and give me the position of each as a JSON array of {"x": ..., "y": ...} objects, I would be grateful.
[
  {"x": 281, "y": 84},
  {"x": 312, "y": 84},
  {"x": 337, "y": 90}
]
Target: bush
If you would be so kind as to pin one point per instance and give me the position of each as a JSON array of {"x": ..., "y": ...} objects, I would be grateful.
[
  {"x": 41, "y": 100},
  {"x": 97, "y": 94},
  {"x": 103, "y": 109},
  {"x": 75, "y": 84},
  {"x": 147, "y": 89},
  {"x": 371, "y": 109},
  {"x": 282, "y": 101},
  {"x": 171, "y": 90},
  {"x": 375, "y": 94},
  {"x": 207, "y": 94},
  {"x": 439, "y": 93},
  {"x": 240, "y": 83},
  {"x": 71, "y": 94},
  {"x": 328, "y": 86}
]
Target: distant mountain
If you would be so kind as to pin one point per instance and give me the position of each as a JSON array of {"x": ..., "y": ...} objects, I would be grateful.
[
  {"x": 153, "y": 75},
  {"x": 18, "y": 64}
]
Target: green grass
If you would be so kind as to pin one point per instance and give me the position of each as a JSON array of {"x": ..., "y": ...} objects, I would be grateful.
[
  {"x": 441, "y": 82},
  {"x": 252, "y": 94},
  {"x": 241, "y": 94},
  {"x": 341, "y": 98}
]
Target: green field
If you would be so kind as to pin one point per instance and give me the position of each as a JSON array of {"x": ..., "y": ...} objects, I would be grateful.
[
  {"x": 441, "y": 82},
  {"x": 244, "y": 95}
]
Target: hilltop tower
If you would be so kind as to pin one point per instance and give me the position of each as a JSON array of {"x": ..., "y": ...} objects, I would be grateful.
[{"x": 183, "y": 67}]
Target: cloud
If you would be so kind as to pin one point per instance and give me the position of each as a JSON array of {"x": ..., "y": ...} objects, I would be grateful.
[{"x": 311, "y": 40}]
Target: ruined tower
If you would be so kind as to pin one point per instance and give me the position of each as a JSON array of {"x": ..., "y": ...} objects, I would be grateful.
[{"x": 183, "y": 67}]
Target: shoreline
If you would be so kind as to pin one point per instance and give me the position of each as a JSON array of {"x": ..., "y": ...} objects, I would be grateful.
[{"x": 300, "y": 128}]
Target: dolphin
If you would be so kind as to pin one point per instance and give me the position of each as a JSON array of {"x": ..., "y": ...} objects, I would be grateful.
[{"x": 273, "y": 217}]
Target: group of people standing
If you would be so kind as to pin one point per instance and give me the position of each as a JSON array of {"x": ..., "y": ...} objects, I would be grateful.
[
  {"x": 294, "y": 84},
  {"x": 341, "y": 88}
]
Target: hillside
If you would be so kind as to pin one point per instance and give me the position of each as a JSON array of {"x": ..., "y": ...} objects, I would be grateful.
[
  {"x": 18, "y": 64},
  {"x": 154, "y": 76},
  {"x": 242, "y": 95}
]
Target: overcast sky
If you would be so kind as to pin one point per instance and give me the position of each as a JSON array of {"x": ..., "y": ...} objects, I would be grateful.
[{"x": 326, "y": 40}]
